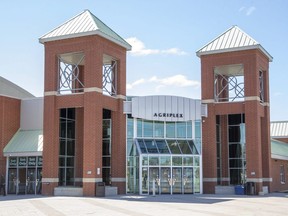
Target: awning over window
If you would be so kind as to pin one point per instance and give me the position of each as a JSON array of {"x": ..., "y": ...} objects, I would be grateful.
[
  {"x": 163, "y": 146},
  {"x": 279, "y": 150},
  {"x": 25, "y": 143}
]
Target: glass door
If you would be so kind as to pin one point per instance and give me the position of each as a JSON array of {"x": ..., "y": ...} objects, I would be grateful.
[
  {"x": 31, "y": 181},
  {"x": 21, "y": 181},
  {"x": 12, "y": 181},
  {"x": 176, "y": 180},
  {"x": 188, "y": 180},
  {"x": 39, "y": 181},
  {"x": 144, "y": 180},
  {"x": 154, "y": 176},
  {"x": 165, "y": 180}
]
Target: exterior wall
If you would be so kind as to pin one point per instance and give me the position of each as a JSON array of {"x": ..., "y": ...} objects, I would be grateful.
[
  {"x": 9, "y": 124},
  {"x": 90, "y": 105},
  {"x": 276, "y": 184},
  {"x": 257, "y": 118}
]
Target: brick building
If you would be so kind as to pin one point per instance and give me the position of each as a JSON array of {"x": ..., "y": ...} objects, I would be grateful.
[{"x": 93, "y": 133}]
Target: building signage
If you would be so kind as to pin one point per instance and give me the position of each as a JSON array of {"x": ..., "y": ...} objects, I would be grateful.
[
  {"x": 40, "y": 161},
  {"x": 13, "y": 161},
  {"x": 164, "y": 115},
  {"x": 31, "y": 161},
  {"x": 22, "y": 161}
]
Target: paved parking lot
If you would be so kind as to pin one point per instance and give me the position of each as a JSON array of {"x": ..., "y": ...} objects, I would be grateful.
[{"x": 164, "y": 205}]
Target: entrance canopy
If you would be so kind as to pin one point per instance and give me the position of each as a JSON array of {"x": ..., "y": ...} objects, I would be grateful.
[{"x": 25, "y": 143}]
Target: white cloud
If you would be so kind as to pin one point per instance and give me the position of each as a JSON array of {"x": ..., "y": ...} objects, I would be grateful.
[
  {"x": 178, "y": 80},
  {"x": 248, "y": 11},
  {"x": 139, "y": 49},
  {"x": 135, "y": 83}
]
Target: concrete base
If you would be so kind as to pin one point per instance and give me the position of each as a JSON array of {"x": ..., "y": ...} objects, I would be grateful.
[
  {"x": 111, "y": 191},
  {"x": 68, "y": 191},
  {"x": 229, "y": 190}
]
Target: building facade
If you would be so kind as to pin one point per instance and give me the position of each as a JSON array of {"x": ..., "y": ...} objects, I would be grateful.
[{"x": 86, "y": 133}]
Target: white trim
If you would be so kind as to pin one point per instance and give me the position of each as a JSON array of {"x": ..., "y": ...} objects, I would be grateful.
[
  {"x": 279, "y": 157},
  {"x": 259, "y": 180},
  {"x": 50, "y": 180},
  {"x": 93, "y": 89},
  {"x": 225, "y": 179},
  {"x": 252, "y": 98},
  {"x": 208, "y": 101},
  {"x": 92, "y": 180},
  {"x": 121, "y": 97},
  {"x": 118, "y": 179},
  {"x": 21, "y": 154},
  {"x": 50, "y": 93},
  {"x": 209, "y": 179}
]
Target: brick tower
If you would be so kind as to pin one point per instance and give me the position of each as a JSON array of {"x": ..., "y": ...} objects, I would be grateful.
[
  {"x": 84, "y": 125},
  {"x": 236, "y": 133}
]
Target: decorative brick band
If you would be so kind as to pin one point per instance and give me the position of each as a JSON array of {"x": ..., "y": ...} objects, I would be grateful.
[
  {"x": 258, "y": 180},
  {"x": 118, "y": 179},
  {"x": 50, "y": 180}
]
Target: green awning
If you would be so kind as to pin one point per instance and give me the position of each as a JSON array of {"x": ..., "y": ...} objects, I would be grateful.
[
  {"x": 25, "y": 143},
  {"x": 279, "y": 150}
]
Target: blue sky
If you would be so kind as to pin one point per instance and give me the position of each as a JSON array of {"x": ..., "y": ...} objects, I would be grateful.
[{"x": 165, "y": 36}]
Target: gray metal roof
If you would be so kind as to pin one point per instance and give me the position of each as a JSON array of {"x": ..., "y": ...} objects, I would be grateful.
[
  {"x": 234, "y": 39},
  {"x": 10, "y": 89},
  {"x": 84, "y": 24},
  {"x": 25, "y": 143},
  {"x": 279, "y": 129},
  {"x": 279, "y": 150}
]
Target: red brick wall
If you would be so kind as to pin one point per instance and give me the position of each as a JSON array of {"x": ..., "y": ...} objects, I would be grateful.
[
  {"x": 9, "y": 124},
  {"x": 276, "y": 185}
]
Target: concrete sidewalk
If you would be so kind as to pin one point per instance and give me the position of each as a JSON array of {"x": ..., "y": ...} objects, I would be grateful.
[{"x": 166, "y": 205}]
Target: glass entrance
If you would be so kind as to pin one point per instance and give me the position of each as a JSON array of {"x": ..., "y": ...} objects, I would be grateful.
[
  {"x": 31, "y": 181},
  {"x": 12, "y": 181},
  {"x": 21, "y": 181},
  {"x": 165, "y": 179}
]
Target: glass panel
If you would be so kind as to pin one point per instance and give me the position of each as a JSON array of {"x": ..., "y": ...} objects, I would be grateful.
[
  {"x": 144, "y": 180},
  {"x": 70, "y": 162},
  {"x": 40, "y": 161},
  {"x": 197, "y": 129},
  {"x": 176, "y": 161},
  {"x": 22, "y": 161},
  {"x": 31, "y": 181},
  {"x": 106, "y": 161},
  {"x": 235, "y": 163},
  {"x": 153, "y": 161},
  {"x": 151, "y": 146},
  {"x": 176, "y": 180},
  {"x": 70, "y": 129},
  {"x": 236, "y": 151},
  {"x": 106, "y": 176},
  {"x": 184, "y": 147},
  {"x": 196, "y": 161},
  {"x": 130, "y": 161},
  {"x": 61, "y": 177},
  {"x": 170, "y": 129},
  {"x": 145, "y": 161},
  {"x": 130, "y": 180},
  {"x": 174, "y": 148},
  {"x": 22, "y": 181},
  {"x": 106, "y": 132},
  {"x": 148, "y": 128},
  {"x": 192, "y": 146},
  {"x": 197, "y": 180},
  {"x": 69, "y": 176},
  {"x": 187, "y": 161},
  {"x": 61, "y": 161},
  {"x": 234, "y": 134},
  {"x": 62, "y": 147},
  {"x": 139, "y": 128},
  {"x": 165, "y": 181},
  {"x": 162, "y": 147},
  {"x": 12, "y": 181},
  {"x": 106, "y": 150},
  {"x": 39, "y": 181},
  {"x": 188, "y": 180},
  {"x": 154, "y": 176},
  {"x": 32, "y": 161},
  {"x": 165, "y": 160},
  {"x": 71, "y": 147},
  {"x": 189, "y": 129},
  {"x": 158, "y": 129},
  {"x": 130, "y": 127},
  {"x": 130, "y": 148},
  {"x": 181, "y": 129},
  {"x": 142, "y": 146}
]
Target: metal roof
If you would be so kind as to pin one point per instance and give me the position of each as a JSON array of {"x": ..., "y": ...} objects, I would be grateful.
[
  {"x": 10, "y": 89},
  {"x": 25, "y": 143},
  {"x": 279, "y": 129},
  {"x": 279, "y": 150},
  {"x": 84, "y": 24},
  {"x": 234, "y": 39}
]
